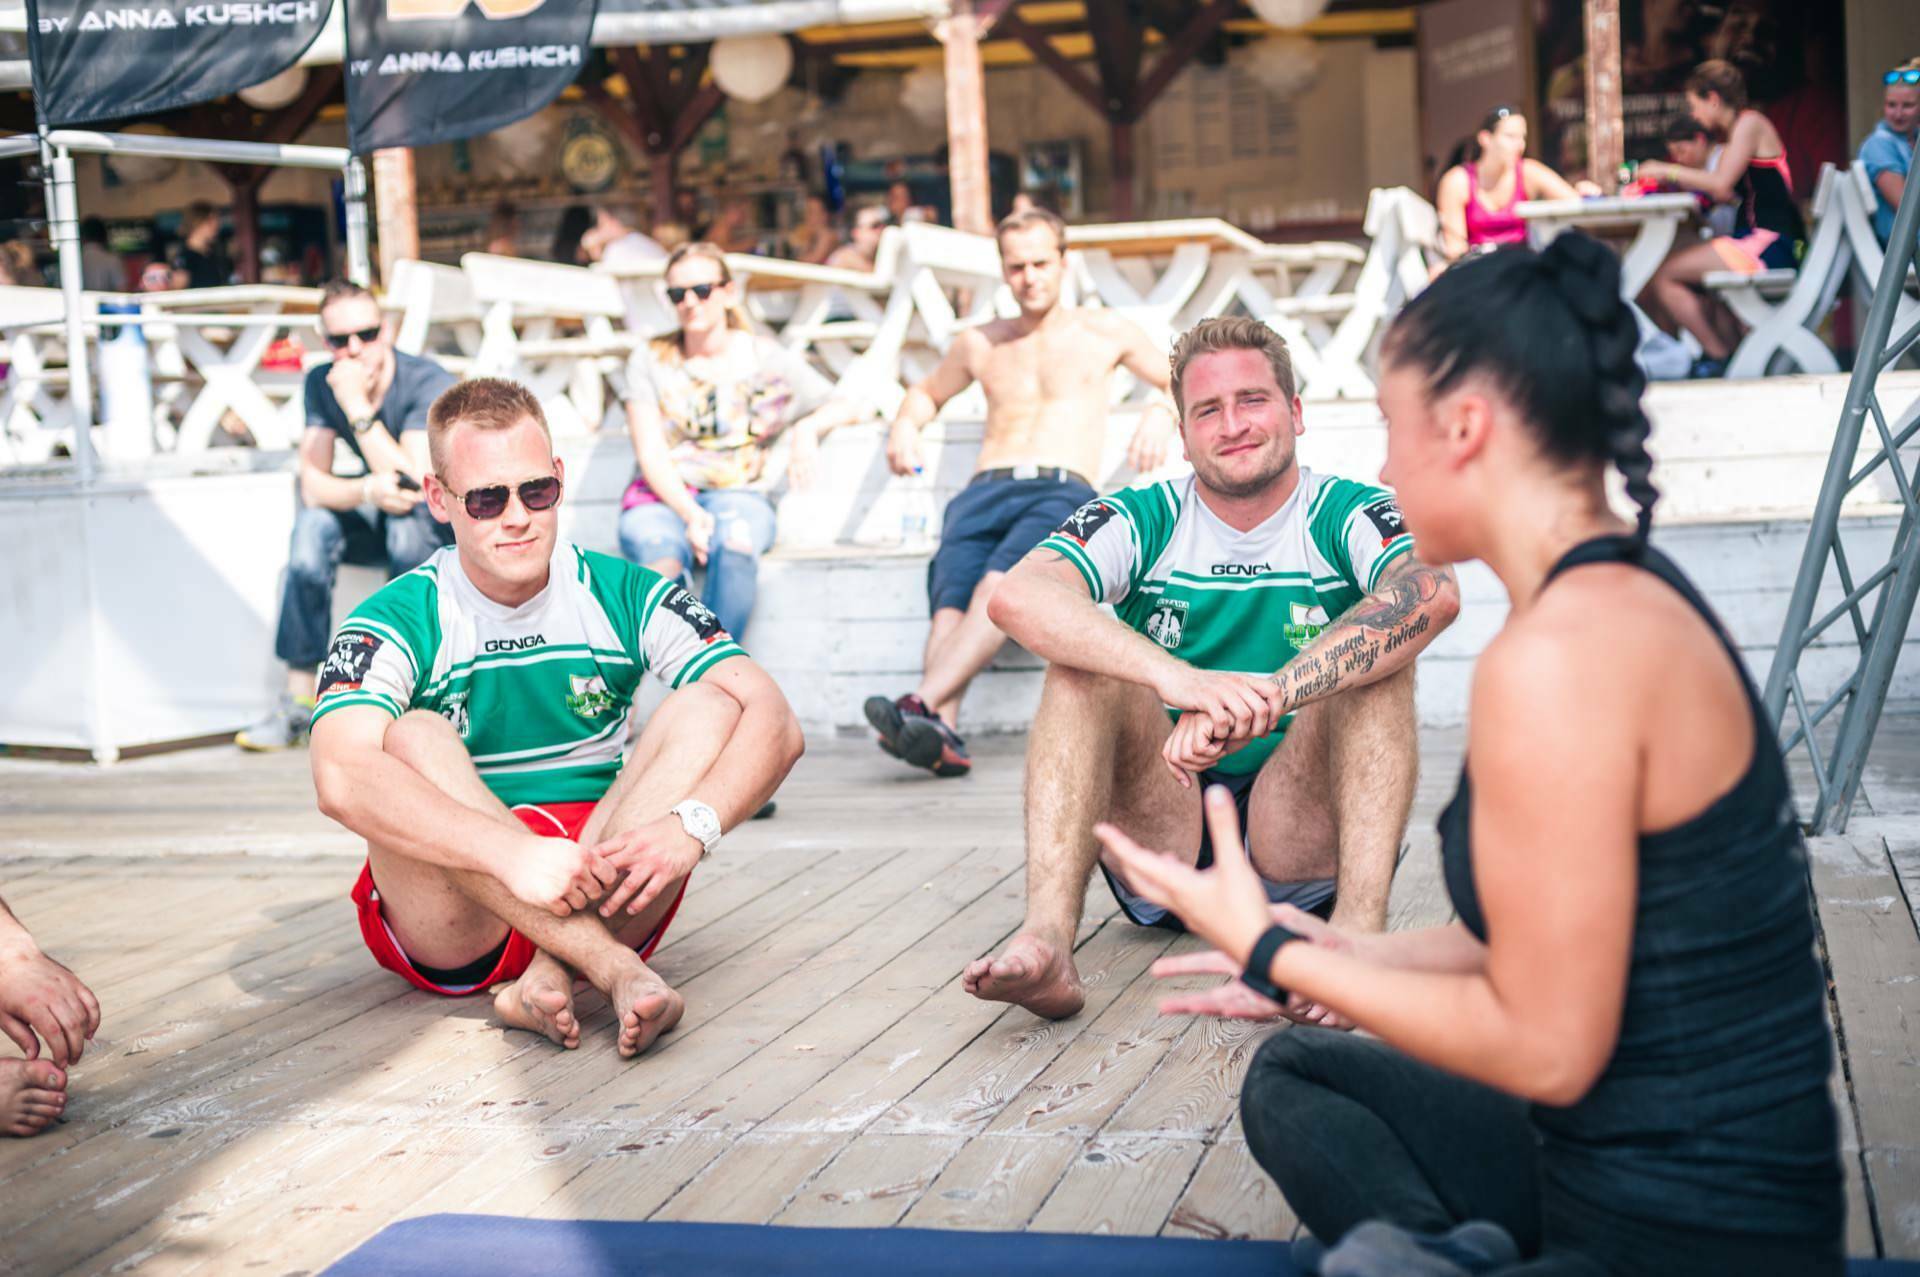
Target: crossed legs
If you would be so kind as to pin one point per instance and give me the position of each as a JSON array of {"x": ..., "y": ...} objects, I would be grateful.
[
  {"x": 448, "y": 917},
  {"x": 1331, "y": 802}
]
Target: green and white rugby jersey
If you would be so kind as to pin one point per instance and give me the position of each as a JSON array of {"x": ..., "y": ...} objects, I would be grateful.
[
  {"x": 539, "y": 692},
  {"x": 1245, "y": 602}
]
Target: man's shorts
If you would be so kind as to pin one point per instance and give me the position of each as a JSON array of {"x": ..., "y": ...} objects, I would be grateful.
[
  {"x": 1315, "y": 895},
  {"x": 510, "y": 958},
  {"x": 993, "y": 523}
]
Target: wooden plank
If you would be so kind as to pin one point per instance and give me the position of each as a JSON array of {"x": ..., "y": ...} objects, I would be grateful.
[
  {"x": 1874, "y": 951},
  {"x": 901, "y": 984},
  {"x": 996, "y": 1182},
  {"x": 1231, "y": 1197},
  {"x": 632, "y": 1178},
  {"x": 754, "y": 1179},
  {"x": 873, "y": 1182},
  {"x": 971, "y": 1089},
  {"x": 1120, "y": 1186}
]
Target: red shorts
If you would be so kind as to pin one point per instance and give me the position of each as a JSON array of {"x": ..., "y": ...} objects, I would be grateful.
[{"x": 551, "y": 820}]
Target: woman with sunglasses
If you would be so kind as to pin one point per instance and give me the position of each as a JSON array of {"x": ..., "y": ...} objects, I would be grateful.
[
  {"x": 707, "y": 403},
  {"x": 1769, "y": 233},
  {"x": 1615, "y": 1061},
  {"x": 1887, "y": 154},
  {"x": 1488, "y": 177}
]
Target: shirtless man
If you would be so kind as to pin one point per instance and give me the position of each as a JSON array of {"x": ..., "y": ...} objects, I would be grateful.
[
  {"x": 39, "y": 998},
  {"x": 1266, "y": 620},
  {"x": 1045, "y": 377},
  {"x": 469, "y": 726}
]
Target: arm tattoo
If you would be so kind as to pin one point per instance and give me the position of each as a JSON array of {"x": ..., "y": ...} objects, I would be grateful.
[{"x": 1395, "y": 616}]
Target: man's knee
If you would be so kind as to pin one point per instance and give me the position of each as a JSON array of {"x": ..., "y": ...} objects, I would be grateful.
[
  {"x": 412, "y": 540},
  {"x": 313, "y": 554},
  {"x": 419, "y": 735}
]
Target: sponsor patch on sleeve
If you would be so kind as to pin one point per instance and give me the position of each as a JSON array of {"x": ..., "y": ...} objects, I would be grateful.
[
  {"x": 348, "y": 661},
  {"x": 1385, "y": 516},
  {"x": 705, "y": 624},
  {"x": 1087, "y": 520}
]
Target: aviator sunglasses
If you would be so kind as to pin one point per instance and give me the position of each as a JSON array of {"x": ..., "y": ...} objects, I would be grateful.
[
  {"x": 702, "y": 291},
  {"x": 340, "y": 341},
  {"x": 1905, "y": 75},
  {"x": 491, "y": 503}
]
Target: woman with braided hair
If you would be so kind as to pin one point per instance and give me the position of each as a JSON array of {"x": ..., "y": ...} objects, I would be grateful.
[{"x": 1615, "y": 1060}]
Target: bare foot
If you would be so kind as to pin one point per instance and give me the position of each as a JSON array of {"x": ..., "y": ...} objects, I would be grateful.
[
  {"x": 32, "y": 1094},
  {"x": 646, "y": 1006},
  {"x": 541, "y": 1000},
  {"x": 1029, "y": 972}
]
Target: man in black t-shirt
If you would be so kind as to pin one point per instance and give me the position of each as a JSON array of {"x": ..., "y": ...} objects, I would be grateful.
[
  {"x": 374, "y": 400},
  {"x": 198, "y": 263}
]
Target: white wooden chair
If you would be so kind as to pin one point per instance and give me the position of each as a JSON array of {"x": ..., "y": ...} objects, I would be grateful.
[
  {"x": 34, "y": 416},
  {"x": 920, "y": 319},
  {"x": 436, "y": 311},
  {"x": 525, "y": 306},
  {"x": 1402, "y": 228},
  {"x": 1783, "y": 309},
  {"x": 1856, "y": 201}
]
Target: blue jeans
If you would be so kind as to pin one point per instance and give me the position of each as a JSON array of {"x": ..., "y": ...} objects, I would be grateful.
[
  {"x": 323, "y": 540},
  {"x": 743, "y": 530}
]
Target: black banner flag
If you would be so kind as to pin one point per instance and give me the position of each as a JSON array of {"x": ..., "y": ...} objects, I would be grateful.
[
  {"x": 107, "y": 61},
  {"x": 426, "y": 71}
]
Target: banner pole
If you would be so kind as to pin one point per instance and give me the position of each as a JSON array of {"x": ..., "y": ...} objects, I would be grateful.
[
  {"x": 63, "y": 228},
  {"x": 359, "y": 260}
]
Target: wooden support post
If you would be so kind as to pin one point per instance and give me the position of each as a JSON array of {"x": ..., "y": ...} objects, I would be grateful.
[
  {"x": 246, "y": 226},
  {"x": 666, "y": 104},
  {"x": 395, "y": 208},
  {"x": 1121, "y": 134},
  {"x": 967, "y": 176},
  {"x": 1606, "y": 133}
]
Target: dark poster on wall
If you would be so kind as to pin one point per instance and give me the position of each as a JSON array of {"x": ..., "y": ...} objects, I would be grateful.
[
  {"x": 426, "y": 71},
  {"x": 1792, "y": 53},
  {"x": 94, "y": 61}
]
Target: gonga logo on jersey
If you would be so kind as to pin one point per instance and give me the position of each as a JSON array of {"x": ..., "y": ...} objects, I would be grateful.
[
  {"x": 1168, "y": 623},
  {"x": 1304, "y": 624},
  {"x": 590, "y": 698}
]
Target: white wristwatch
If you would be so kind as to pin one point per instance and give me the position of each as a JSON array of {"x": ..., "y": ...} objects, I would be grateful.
[{"x": 702, "y": 824}]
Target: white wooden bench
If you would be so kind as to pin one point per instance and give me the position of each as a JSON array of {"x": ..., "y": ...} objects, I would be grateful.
[
  {"x": 557, "y": 329},
  {"x": 1783, "y": 309},
  {"x": 436, "y": 313}
]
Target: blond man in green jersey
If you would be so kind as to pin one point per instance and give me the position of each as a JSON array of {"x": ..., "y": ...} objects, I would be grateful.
[
  {"x": 471, "y": 722},
  {"x": 1266, "y": 620}
]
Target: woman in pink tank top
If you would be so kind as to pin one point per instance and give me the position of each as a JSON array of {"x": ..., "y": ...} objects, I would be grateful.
[{"x": 1479, "y": 196}]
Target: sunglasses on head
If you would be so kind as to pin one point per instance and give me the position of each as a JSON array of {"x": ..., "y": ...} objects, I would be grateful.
[
  {"x": 1905, "y": 75},
  {"x": 340, "y": 341},
  {"x": 702, "y": 291},
  {"x": 491, "y": 503}
]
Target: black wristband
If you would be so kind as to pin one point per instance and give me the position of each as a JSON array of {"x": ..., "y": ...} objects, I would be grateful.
[{"x": 1260, "y": 963}]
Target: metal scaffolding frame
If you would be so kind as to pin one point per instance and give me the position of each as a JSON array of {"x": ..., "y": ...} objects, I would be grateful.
[{"x": 1891, "y": 587}]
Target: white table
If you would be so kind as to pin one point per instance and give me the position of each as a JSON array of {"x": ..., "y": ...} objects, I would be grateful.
[
  {"x": 186, "y": 329},
  {"x": 1651, "y": 220}
]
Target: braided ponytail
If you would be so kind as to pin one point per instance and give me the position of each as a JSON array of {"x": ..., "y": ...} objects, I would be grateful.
[
  {"x": 1549, "y": 329},
  {"x": 1588, "y": 276}
]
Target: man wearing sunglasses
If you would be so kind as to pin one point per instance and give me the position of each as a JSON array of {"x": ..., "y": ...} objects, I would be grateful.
[
  {"x": 373, "y": 400},
  {"x": 1887, "y": 153},
  {"x": 471, "y": 721}
]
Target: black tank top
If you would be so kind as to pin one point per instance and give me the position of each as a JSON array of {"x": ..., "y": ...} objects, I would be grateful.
[{"x": 1711, "y": 1128}]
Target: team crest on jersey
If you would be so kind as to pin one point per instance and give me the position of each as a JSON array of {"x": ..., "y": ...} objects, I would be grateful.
[
  {"x": 1304, "y": 624},
  {"x": 687, "y": 606},
  {"x": 1087, "y": 520},
  {"x": 455, "y": 712},
  {"x": 1168, "y": 623},
  {"x": 1386, "y": 518},
  {"x": 347, "y": 663},
  {"x": 590, "y": 698}
]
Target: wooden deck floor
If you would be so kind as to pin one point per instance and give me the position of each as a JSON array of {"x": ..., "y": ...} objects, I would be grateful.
[{"x": 262, "y": 1098}]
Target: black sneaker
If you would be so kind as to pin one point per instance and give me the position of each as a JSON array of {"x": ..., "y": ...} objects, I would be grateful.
[
  {"x": 888, "y": 716},
  {"x": 926, "y": 741}
]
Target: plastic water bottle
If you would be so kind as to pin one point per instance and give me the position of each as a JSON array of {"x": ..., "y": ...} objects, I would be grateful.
[{"x": 913, "y": 526}]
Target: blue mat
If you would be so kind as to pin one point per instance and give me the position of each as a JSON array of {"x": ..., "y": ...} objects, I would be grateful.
[{"x": 502, "y": 1246}]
